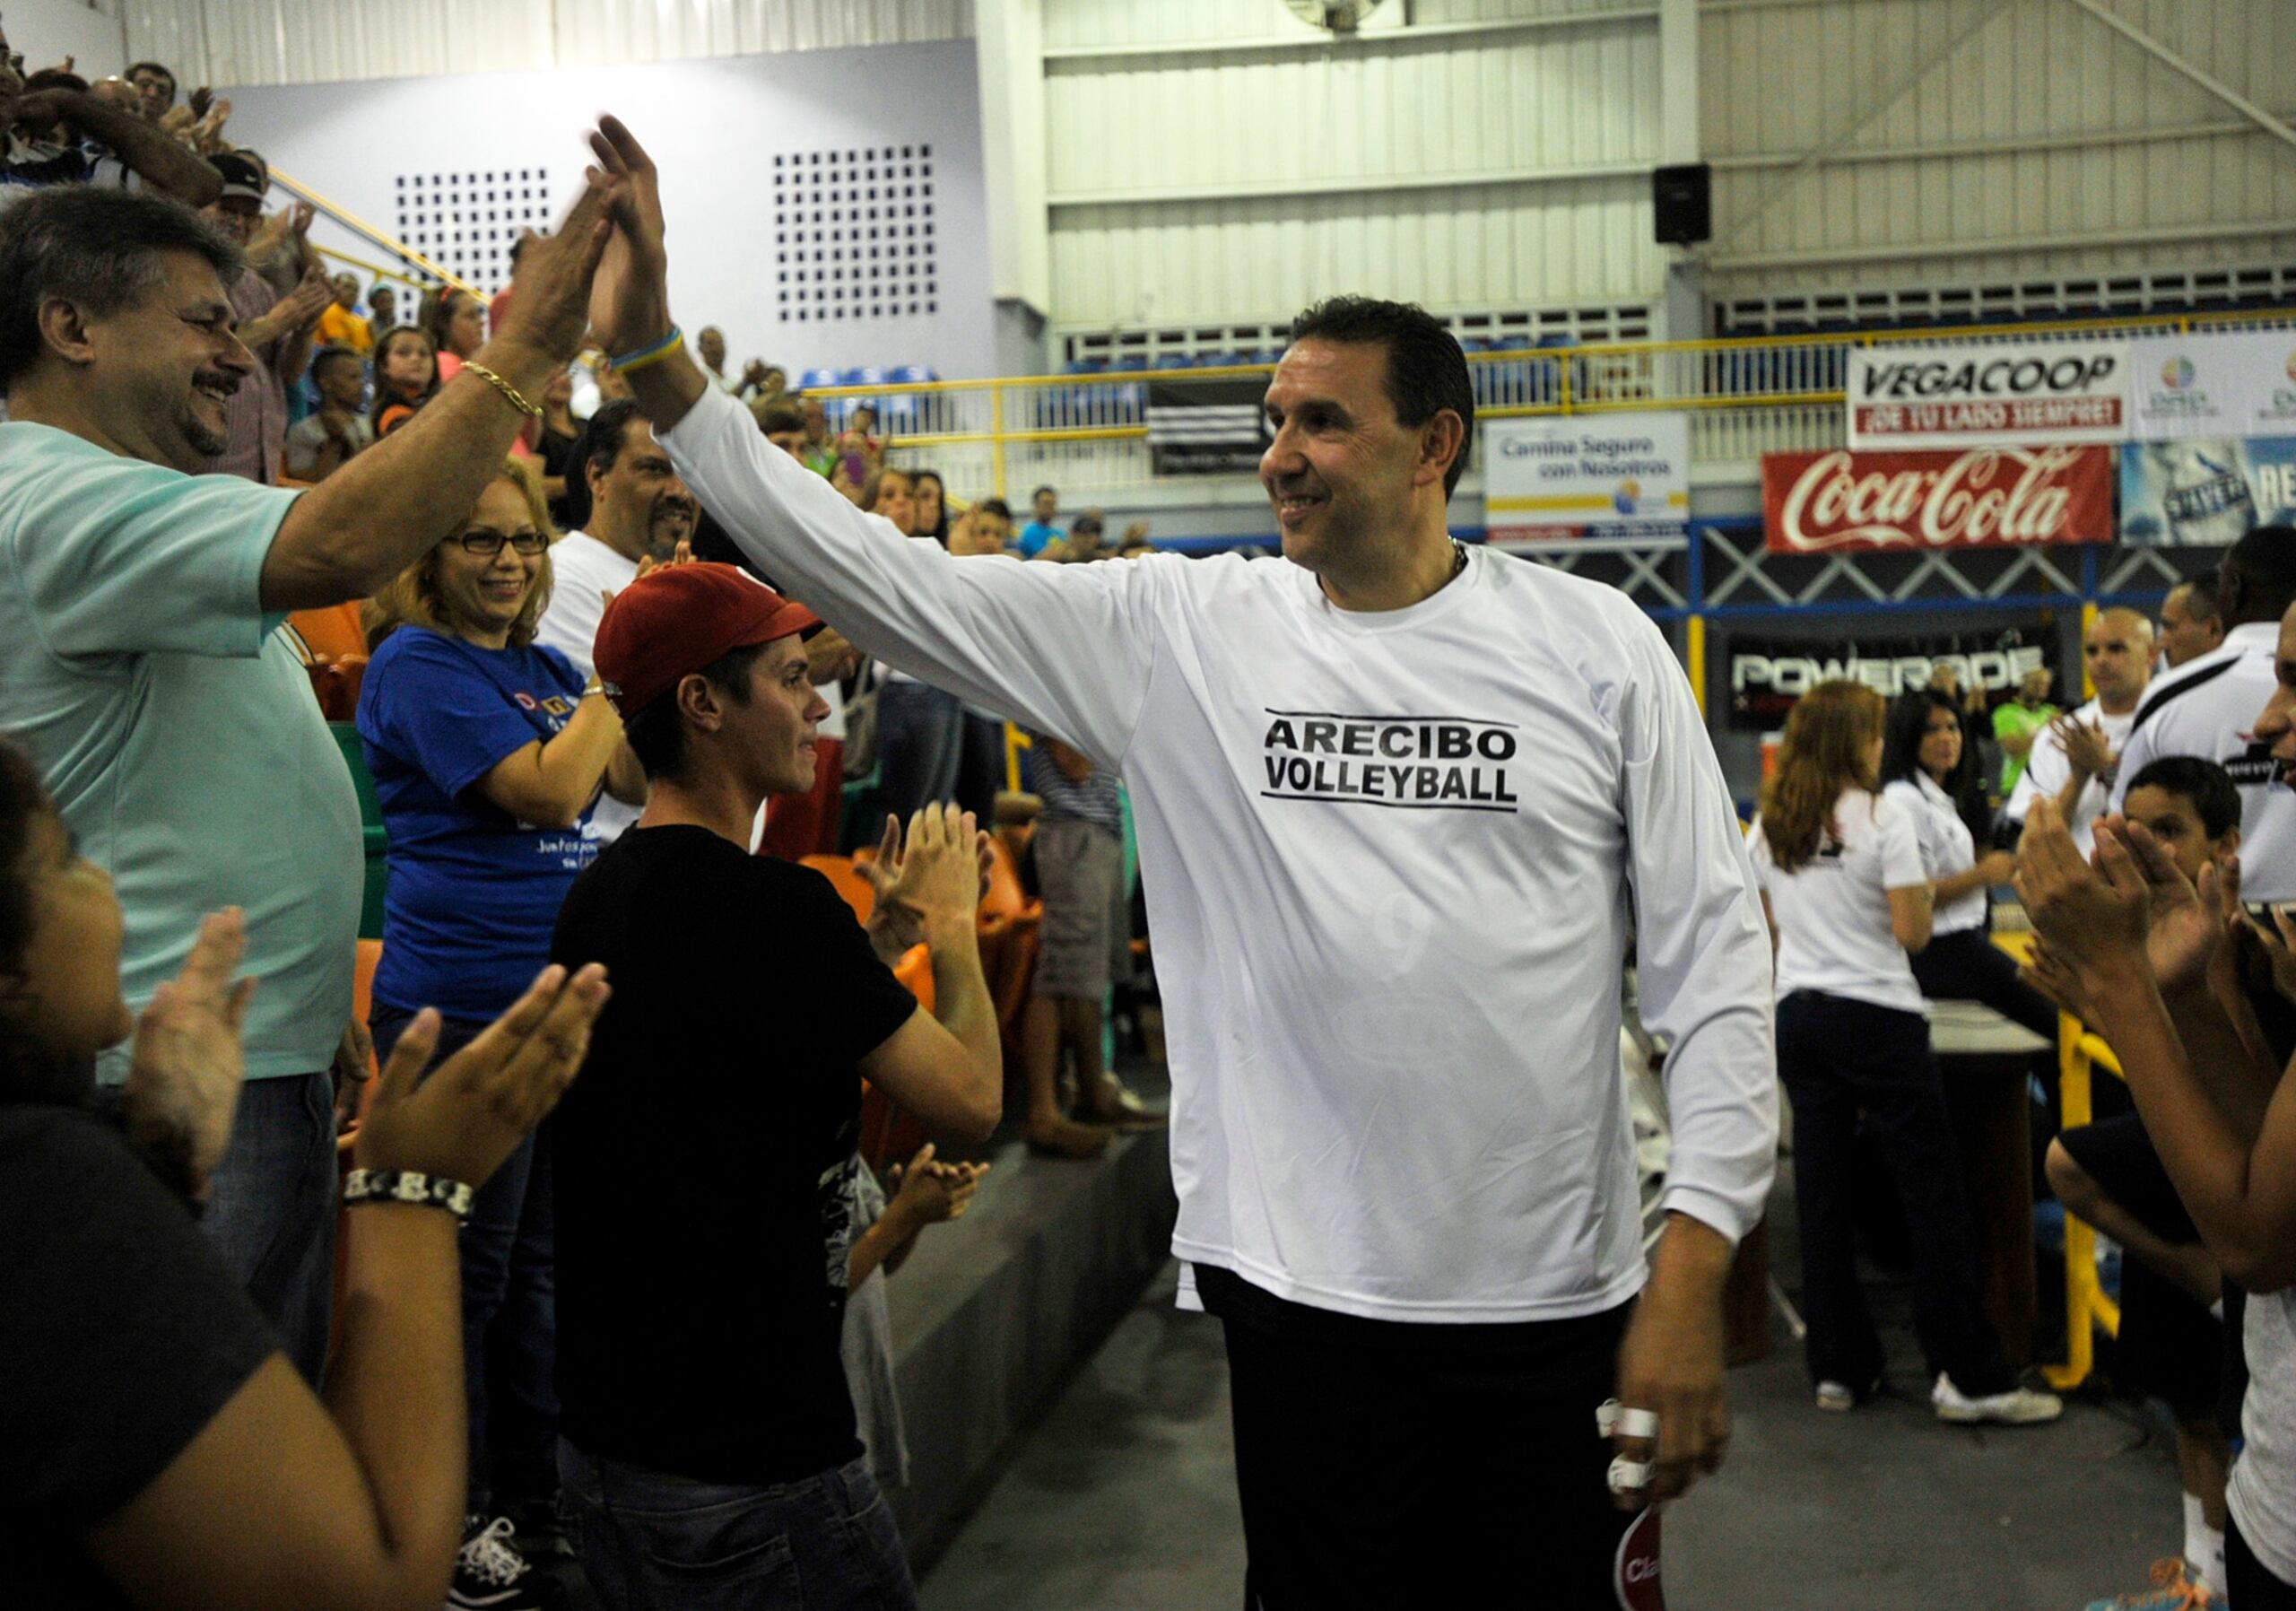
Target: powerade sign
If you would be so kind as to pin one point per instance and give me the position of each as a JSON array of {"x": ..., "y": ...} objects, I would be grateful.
[{"x": 1768, "y": 674}]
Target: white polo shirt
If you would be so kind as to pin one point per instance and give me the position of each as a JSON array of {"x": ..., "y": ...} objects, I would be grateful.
[
  {"x": 2047, "y": 769},
  {"x": 582, "y": 571},
  {"x": 2208, "y": 707},
  {"x": 1390, "y": 858},
  {"x": 1833, "y": 911},
  {"x": 1947, "y": 846}
]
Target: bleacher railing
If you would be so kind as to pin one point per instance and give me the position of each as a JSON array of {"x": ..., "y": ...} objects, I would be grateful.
[
  {"x": 1088, "y": 434},
  {"x": 2087, "y": 1307}
]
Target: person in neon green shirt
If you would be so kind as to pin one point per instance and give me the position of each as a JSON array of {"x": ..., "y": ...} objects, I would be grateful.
[{"x": 2017, "y": 723}]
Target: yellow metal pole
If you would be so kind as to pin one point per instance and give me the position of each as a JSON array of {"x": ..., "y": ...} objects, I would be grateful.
[
  {"x": 997, "y": 445},
  {"x": 1697, "y": 661},
  {"x": 2080, "y": 1241},
  {"x": 2088, "y": 620}
]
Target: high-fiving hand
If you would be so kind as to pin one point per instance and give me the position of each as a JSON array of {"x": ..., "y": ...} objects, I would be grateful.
[{"x": 629, "y": 301}]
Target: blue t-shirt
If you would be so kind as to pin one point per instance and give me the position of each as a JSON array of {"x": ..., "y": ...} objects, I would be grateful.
[
  {"x": 1033, "y": 536},
  {"x": 474, "y": 893},
  {"x": 175, "y": 728}
]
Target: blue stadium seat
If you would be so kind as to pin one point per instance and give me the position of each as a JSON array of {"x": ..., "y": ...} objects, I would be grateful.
[
  {"x": 1130, "y": 364},
  {"x": 910, "y": 374},
  {"x": 815, "y": 379},
  {"x": 1220, "y": 360},
  {"x": 1086, "y": 366},
  {"x": 870, "y": 376},
  {"x": 1266, "y": 355}
]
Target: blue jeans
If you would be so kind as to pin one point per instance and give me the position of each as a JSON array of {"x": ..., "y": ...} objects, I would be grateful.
[
  {"x": 920, "y": 746},
  {"x": 272, "y": 1210},
  {"x": 653, "y": 1542},
  {"x": 510, "y": 1308}
]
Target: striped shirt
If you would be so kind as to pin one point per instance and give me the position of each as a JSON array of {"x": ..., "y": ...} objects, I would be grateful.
[{"x": 1099, "y": 799}]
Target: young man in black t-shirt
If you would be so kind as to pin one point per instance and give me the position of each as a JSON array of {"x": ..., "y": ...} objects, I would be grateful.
[{"x": 708, "y": 1435}]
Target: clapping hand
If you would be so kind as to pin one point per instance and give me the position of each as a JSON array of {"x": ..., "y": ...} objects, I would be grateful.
[
  {"x": 471, "y": 1114},
  {"x": 931, "y": 1193},
  {"x": 896, "y": 920},
  {"x": 2086, "y": 749},
  {"x": 185, "y": 1075},
  {"x": 2090, "y": 918}
]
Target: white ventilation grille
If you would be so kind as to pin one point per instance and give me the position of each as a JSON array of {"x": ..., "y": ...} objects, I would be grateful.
[
  {"x": 467, "y": 223},
  {"x": 854, "y": 235}
]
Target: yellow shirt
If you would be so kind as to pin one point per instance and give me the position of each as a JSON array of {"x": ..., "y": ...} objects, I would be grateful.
[{"x": 340, "y": 327}]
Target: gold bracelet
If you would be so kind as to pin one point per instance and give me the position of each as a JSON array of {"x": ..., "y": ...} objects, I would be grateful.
[{"x": 516, "y": 398}]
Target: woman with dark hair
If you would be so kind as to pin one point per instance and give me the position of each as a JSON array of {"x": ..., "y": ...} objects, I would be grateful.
[
  {"x": 1846, "y": 896},
  {"x": 932, "y": 500},
  {"x": 487, "y": 752},
  {"x": 407, "y": 377},
  {"x": 455, "y": 322},
  {"x": 1924, "y": 763},
  {"x": 157, "y": 1448}
]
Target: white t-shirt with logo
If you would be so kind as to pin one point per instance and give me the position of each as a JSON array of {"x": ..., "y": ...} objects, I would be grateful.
[
  {"x": 2208, "y": 707},
  {"x": 1946, "y": 847},
  {"x": 583, "y": 571},
  {"x": 1833, "y": 911},
  {"x": 2047, "y": 769},
  {"x": 1391, "y": 860}
]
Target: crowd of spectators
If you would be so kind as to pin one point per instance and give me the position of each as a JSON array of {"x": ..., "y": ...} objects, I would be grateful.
[
  {"x": 1882, "y": 900},
  {"x": 206, "y": 431}
]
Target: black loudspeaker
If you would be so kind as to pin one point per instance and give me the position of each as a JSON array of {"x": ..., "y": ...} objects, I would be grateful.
[{"x": 1681, "y": 203}]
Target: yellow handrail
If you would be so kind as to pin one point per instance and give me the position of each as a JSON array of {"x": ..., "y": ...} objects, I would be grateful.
[
  {"x": 2086, "y": 1307},
  {"x": 351, "y": 221}
]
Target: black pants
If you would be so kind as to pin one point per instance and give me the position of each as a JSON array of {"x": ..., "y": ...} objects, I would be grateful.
[
  {"x": 1840, "y": 1058},
  {"x": 2249, "y": 1585},
  {"x": 1392, "y": 1466},
  {"x": 1968, "y": 966}
]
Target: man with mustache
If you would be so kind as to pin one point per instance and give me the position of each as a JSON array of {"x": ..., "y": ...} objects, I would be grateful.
[
  {"x": 1396, "y": 800},
  {"x": 639, "y": 511},
  {"x": 141, "y": 665}
]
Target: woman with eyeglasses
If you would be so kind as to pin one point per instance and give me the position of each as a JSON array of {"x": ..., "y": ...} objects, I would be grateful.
[{"x": 488, "y": 752}]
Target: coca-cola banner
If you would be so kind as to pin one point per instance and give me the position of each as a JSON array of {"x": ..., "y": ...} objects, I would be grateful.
[
  {"x": 1985, "y": 497},
  {"x": 2203, "y": 493},
  {"x": 1768, "y": 674},
  {"x": 2217, "y": 387},
  {"x": 2043, "y": 393}
]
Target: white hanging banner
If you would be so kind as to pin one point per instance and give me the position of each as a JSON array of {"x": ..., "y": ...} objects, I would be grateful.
[
  {"x": 2003, "y": 393},
  {"x": 1616, "y": 475},
  {"x": 2227, "y": 385}
]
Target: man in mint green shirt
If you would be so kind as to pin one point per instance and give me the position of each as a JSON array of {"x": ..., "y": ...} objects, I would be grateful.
[
  {"x": 142, "y": 666},
  {"x": 2017, "y": 722}
]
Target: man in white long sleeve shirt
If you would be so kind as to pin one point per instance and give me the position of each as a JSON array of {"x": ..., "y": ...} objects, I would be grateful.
[{"x": 1395, "y": 801}]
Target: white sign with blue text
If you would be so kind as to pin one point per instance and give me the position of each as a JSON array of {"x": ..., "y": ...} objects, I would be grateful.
[{"x": 1618, "y": 476}]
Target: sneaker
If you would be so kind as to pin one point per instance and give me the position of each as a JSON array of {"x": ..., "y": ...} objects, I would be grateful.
[
  {"x": 2019, "y": 1406},
  {"x": 492, "y": 1575},
  {"x": 1839, "y": 1396},
  {"x": 2175, "y": 1588}
]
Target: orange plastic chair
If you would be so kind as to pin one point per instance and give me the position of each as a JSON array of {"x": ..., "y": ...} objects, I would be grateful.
[
  {"x": 331, "y": 633},
  {"x": 888, "y": 1133},
  {"x": 848, "y": 882},
  {"x": 1009, "y": 939}
]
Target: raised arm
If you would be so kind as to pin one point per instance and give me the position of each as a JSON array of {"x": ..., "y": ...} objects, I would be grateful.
[
  {"x": 379, "y": 514},
  {"x": 164, "y": 162},
  {"x": 1066, "y": 647}
]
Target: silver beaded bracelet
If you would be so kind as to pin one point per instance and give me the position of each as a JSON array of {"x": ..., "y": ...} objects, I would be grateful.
[{"x": 405, "y": 1186}]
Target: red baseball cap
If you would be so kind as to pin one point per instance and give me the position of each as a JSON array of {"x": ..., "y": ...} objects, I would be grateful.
[{"x": 675, "y": 621}]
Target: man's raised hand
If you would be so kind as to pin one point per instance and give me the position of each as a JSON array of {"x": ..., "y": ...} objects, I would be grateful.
[
  {"x": 630, "y": 303},
  {"x": 551, "y": 312}
]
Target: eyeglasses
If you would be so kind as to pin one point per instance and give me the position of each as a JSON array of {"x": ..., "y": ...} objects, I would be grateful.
[{"x": 485, "y": 544}]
